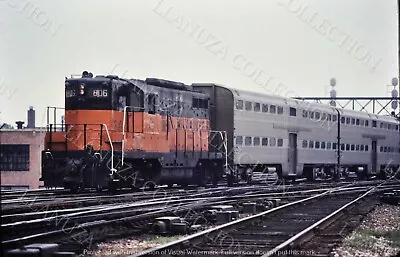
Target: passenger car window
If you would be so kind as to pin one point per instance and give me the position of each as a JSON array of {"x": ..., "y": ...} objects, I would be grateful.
[
  {"x": 239, "y": 105},
  {"x": 264, "y": 141},
  {"x": 257, "y": 107},
  {"x": 239, "y": 140},
  {"x": 265, "y": 108},
  {"x": 248, "y": 106},
  {"x": 247, "y": 141}
]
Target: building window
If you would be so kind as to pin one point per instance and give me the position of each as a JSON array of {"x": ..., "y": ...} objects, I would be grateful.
[
  {"x": 256, "y": 141},
  {"x": 292, "y": 111},
  {"x": 239, "y": 140},
  {"x": 280, "y": 142},
  {"x": 239, "y": 104},
  {"x": 248, "y": 106},
  {"x": 264, "y": 141},
  {"x": 247, "y": 141},
  {"x": 257, "y": 107},
  {"x": 280, "y": 110},
  {"x": 265, "y": 108},
  {"x": 14, "y": 158}
]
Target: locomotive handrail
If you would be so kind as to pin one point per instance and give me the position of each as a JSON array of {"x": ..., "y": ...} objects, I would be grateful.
[
  {"x": 55, "y": 108},
  {"x": 224, "y": 137},
  {"x": 108, "y": 135}
]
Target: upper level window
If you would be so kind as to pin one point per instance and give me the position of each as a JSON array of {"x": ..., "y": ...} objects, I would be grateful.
[
  {"x": 257, "y": 107},
  {"x": 264, "y": 141},
  {"x": 317, "y": 115},
  {"x": 256, "y": 141},
  {"x": 265, "y": 108},
  {"x": 272, "y": 142},
  {"x": 348, "y": 120},
  {"x": 357, "y": 122},
  {"x": 247, "y": 141},
  {"x": 280, "y": 110},
  {"x": 14, "y": 157},
  {"x": 353, "y": 121},
  {"x": 311, "y": 144},
  {"x": 280, "y": 142},
  {"x": 239, "y": 140},
  {"x": 248, "y": 106},
  {"x": 272, "y": 108},
  {"x": 305, "y": 114},
  {"x": 374, "y": 123},
  {"x": 328, "y": 145},
  {"x": 292, "y": 111},
  {"x": 239, "y": 104},
  {"x": 343, "y": 120},
  {"x": 366, "y": 123},
  {"x": 311, "y": 115},
  {"x": 304, "y": 144},
  {"x": 334, "y": 118}
]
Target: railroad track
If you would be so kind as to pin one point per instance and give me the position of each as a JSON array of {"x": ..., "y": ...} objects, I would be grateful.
[
  {"x": 42, "y": 200},
  {"x": 285, "y": 228}
]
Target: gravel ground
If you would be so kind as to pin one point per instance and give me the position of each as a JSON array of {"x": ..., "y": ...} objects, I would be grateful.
[
  {"x": 128, "y": 246},
  {"x": 378, "y": 235}
]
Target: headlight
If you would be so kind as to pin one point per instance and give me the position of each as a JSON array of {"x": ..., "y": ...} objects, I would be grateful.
[{"x": 82, "y": 89}]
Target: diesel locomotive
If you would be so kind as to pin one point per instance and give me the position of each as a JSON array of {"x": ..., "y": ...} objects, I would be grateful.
[
  {"x": 130, "y": 133},
  {"x": 121, "y": 133}
]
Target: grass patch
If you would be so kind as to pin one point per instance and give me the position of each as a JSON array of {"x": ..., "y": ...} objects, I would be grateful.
[{"x": 367, "y": 238}]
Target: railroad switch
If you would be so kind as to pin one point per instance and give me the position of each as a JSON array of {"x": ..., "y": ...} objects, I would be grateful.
[
  {"x": 226, "y": 216},
  {"x": 39, "y": 250},
  {"x": 249, "y": 208},
  {"x": 170, "y": 224}
]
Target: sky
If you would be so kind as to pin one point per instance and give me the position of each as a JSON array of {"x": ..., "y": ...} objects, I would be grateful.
[{"x": 283, "y": 47}]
